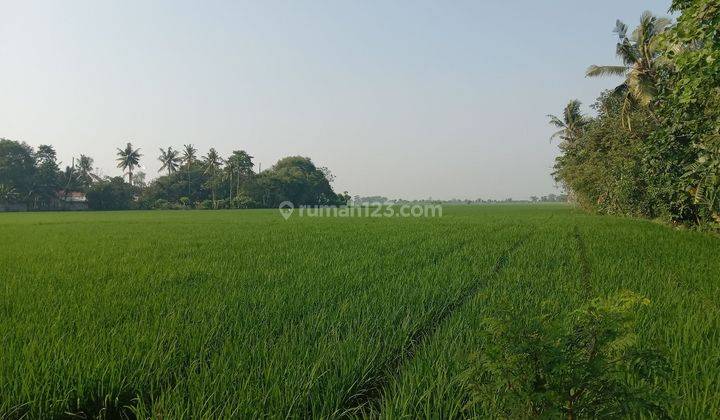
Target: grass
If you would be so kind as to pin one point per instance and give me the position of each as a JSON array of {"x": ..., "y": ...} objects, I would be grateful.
[{"x": 241, "y": 313}]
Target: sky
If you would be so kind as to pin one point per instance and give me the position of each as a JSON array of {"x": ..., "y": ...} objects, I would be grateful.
[{"x": 404, "y": 99}]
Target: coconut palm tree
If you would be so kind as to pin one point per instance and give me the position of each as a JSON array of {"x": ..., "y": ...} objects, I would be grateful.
[
  {"x": 70, "y": 179},
  {"x": 189, "y": 156},
  {"x": 228, "y": 175},
  {"x": 239, "y": 166},
  {"x": 571, "y": 124},
  {"x": 128, "y": 159},
  {"x": 8, "y": 194},
  {"x": 139, "y": 179},
  {"x": 212, "y": 163},
  {"x": 84, "y": 167},
  {"x": 640, "y": 55},
  {"x": 170, "y": 160}
]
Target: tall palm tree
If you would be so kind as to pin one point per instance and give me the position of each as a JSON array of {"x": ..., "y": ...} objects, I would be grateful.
[
  {"x": 571, "y": 124},
  {"x": 212, "y": 162},
  {"x": 139, "y": 179},
  {"x": 128, "y": 159},
  {"x": 189, "y": 156},
  {"x": 84, "y": 167},
  {"x": 228, "y": 175},
  {"x": 640, "y": 55},
  {"x": 170, "y": 160},
  {"x": 70, "y": 178},
  {"x": 239, "y": 165}
]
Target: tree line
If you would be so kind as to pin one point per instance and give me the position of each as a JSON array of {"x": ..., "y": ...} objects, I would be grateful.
[
  {"x": 653, "y": 148},
  {"x": 32, "y": 179}
]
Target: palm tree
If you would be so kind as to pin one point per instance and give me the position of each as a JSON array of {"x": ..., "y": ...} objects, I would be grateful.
[
  {"x": 239, "y": 165},
  {"x": 69, "y": 179},
  {"x": 139, "y": 179},
  {"x": 189, "y": 154},
  {"x": 7, "y": 194},
  {"x": 571, "y": 124},
  {"x": 170, "y": 160},
  {"x": 227, "y": 175},
  {"x": 211, "y": 164},
  {"x": 128, "y": 159},
  {"x": 640, "y": 55},
  {"x": 189, "y": 157},
  {"x": 84, "y": 167}
]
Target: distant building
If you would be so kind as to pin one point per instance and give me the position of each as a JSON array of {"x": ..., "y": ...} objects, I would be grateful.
[
  {"x": 71, "y": 200},
  {"x": 72, "y": 196}
]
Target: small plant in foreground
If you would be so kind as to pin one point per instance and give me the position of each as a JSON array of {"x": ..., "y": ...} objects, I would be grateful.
[{"x": 587, "y": 364}]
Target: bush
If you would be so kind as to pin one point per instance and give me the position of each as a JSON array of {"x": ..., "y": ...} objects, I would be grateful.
[
  {"x": 205, "y": 205},
  {"x": 111, "y": 194},
  {"x": 161, "y": 204},
  {"x": 588, "y": 364},
  {"x": 243, "y": 201}
]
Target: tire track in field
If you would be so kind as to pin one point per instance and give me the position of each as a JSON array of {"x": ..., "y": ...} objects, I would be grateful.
[
  {"x": 585, "y": 268},
  {"x": 373, "y": 392},
  {"x": 455, "y": 248},
  {"x": 125, "y": 404},
  {"x": 355, "y": 288}
]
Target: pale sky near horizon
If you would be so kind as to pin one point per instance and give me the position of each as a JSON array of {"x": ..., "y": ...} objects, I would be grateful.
[{"x": 405, "y": 99}]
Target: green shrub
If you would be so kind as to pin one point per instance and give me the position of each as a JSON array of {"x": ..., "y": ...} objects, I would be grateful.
[
  {"x": 243, "y": 201},
  {"x": 205, "y": 205},
  {"x": 161, "y": 204},
  {"x": 111, "y": 194},
  {"x": 589, "y": 363}
]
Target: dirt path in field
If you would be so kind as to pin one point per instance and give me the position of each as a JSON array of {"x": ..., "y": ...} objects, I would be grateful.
[{"x": 367, "y": 401}]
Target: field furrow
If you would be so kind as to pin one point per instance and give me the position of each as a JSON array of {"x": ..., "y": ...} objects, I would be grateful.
[
  {"x": 371, "y": 396},
  {"x": 435, "y": 384}
]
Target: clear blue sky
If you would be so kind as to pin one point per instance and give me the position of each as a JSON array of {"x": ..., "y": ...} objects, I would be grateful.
[{"x": 398, "y": 98}]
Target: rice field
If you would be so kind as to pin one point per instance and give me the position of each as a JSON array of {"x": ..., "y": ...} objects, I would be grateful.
[{"x": 204, "y": 314}]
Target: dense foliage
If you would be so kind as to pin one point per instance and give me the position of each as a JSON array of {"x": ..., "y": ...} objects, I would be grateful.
[
  {"x": 110, "y": 194},
  {"x": 653, "y": 149},
  {"x": 588, "y": 364},
  {"x": 32, "y": 179}
]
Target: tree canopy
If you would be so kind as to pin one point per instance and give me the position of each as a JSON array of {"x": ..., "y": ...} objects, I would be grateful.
[
  {"x": 34, "y": 177},
  {"x": 653, "y": 147}
]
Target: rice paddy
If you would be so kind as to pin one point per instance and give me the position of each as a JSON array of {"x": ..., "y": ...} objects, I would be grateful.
[{"x": 185, "y": 314}]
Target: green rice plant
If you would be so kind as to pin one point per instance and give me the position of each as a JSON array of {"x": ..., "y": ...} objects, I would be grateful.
[{"x": 242, "y": 314}]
